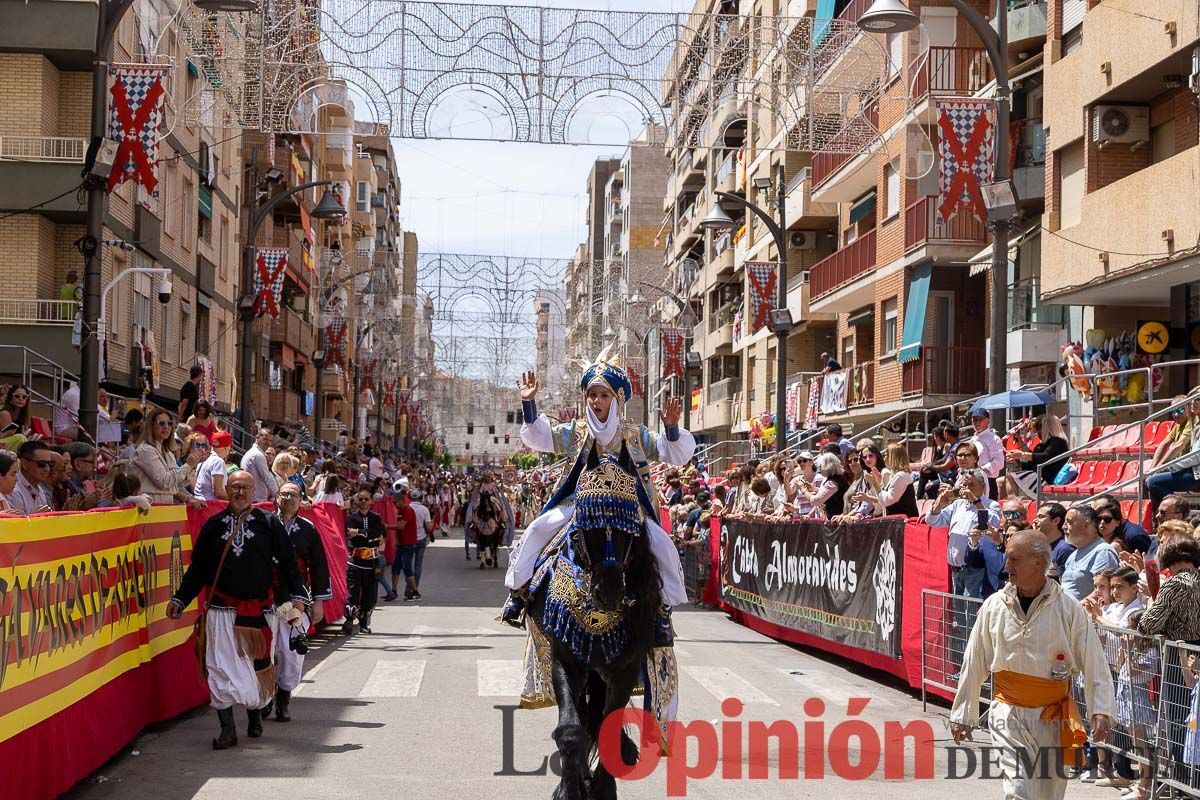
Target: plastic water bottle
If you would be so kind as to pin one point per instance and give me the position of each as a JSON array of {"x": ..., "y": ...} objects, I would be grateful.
[{"x": 1059, "y": 671}]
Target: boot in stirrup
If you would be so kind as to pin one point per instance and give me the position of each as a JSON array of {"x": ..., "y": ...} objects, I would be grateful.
[
  {"x": 228, "y": 736},
  {"x": 664, "y": 631},
  {"x": 513, "y": 612}
]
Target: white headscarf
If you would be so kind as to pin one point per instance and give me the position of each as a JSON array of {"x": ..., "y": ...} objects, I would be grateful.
[{"x": 604, "y": 431}]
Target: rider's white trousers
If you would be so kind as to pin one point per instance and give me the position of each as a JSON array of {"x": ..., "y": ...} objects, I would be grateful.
[{"x": 525, "y": 553}]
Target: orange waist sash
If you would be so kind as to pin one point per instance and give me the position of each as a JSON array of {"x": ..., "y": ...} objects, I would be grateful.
[{"x": 1030, "y": 691}]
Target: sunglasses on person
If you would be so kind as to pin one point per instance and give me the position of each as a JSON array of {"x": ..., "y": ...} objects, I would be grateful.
[
  {"x": 1104, "y": 520},
  {"x": 41, "y": 464},
  {"x": 199, "y": 445},
  {"x": 238, "y": 488},
  {"x": 1014, "y": 515},
  {"x": 163, "y": 423},
  {"x": 20, "y": 397}
]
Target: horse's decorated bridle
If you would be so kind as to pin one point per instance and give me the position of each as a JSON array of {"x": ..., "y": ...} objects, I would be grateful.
[{"x": 610, "y": 555}]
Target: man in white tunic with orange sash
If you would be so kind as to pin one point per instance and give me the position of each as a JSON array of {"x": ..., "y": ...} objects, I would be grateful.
[{"x": 1033, "y": 638}]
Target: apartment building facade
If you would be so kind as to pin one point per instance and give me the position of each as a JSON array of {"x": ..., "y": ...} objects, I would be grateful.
[
  {"x": 1119, "y": 247},
  {"x": 899, "y": 296},
  {"x": 187, "y": 225}
]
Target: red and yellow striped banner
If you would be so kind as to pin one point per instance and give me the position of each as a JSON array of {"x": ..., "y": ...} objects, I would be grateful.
[{"x": 82, "y": 602}]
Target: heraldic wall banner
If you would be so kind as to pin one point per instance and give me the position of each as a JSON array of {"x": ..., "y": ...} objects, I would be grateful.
[
  {"x": 840, "y": 583},
  {"x": 966, "y": 156}
]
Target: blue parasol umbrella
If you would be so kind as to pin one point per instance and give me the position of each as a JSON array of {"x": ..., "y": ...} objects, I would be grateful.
[{"x": 1011, "y": 399}]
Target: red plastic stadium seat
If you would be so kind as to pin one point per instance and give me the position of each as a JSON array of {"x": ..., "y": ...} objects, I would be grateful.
[
  {"x": 1107, "y": 474},
  {"x": 1096, "y": 448},
  {"x": 1129, "y": 476}
]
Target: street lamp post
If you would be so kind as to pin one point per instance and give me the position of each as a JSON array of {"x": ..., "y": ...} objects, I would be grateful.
[
  {"x": 717, "y": 219},
  {"x": 328, "y": 208},
  {"x": 891, "y": 16}
]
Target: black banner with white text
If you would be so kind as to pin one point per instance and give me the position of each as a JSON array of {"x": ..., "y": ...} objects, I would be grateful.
[{"x": 841, "y": 583}]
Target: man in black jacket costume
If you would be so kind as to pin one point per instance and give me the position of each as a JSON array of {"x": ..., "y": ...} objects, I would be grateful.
[{"x": 235, "y": 557}]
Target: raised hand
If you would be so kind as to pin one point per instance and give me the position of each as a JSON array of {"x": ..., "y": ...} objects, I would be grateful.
[
  {"x": 671, "y": 411},
  {"x": 529, "y": 385}
]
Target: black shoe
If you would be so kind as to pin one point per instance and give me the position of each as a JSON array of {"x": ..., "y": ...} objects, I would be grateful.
[
  {"x": 228, "y": 736},
  {"x": 416, "y": 596},
  {"x": 348, "y": 628},
  {"x": 390, "y": 596},
  {"x": 513, "y": 612},
  {"x": 409, "y": 596},
  {"x": 254, "y": 728},
  {"x": 282, "y": 700},
  {"x": 265, "y": 711},
  {"x": 364, "y": 628},
  {"x": 468, "y": 556}
]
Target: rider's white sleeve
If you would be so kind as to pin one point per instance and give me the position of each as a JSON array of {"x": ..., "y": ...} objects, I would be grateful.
[
  {"x": 538, "y": 435},
  {"x": 678, "y": 452}
]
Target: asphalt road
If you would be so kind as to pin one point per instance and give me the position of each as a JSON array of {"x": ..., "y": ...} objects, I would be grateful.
[{"x": 423, "y": 707}]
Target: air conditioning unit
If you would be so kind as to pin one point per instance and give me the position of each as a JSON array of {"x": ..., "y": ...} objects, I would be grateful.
[
  {"x": 1120, "y": 124},
  {"x": 803, "y": 240}
]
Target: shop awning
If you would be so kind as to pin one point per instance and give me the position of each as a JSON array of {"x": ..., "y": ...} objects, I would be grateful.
[
  {"x": 863, "y": 207},
  {"x": 860, "y": 318},
  {"x": 205, "y": 202},
  {"x": 981, "y": 262},
  {"x": 915, "y": 303}
]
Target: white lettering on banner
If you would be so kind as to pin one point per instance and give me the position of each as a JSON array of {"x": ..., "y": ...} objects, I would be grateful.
[
  {"x": 814, "y": 570},
  {"x": 745, "y": 559}
]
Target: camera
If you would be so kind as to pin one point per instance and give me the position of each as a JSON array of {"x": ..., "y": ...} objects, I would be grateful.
[
  {"x": 164, "y": 290},
  {"x": 298, "y": 643}
]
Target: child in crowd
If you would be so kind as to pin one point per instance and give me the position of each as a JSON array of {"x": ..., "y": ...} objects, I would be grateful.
[
  {"x": 126, "y": 493},
  {"x": 760, "y": 502},
  {"x": 1137, "y": 667}
]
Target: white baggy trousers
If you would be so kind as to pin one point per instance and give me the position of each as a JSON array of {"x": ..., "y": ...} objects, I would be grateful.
[{"x": 231, "y": 677}]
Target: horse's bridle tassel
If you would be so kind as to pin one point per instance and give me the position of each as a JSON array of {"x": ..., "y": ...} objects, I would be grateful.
[{"x": 610, "y": 550}]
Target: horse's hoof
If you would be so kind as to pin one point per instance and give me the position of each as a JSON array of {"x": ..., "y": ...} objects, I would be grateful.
[{"x": 604, "y": 786}]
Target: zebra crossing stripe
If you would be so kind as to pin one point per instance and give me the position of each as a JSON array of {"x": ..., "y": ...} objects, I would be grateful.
[
  {"x": 499, "y": 677},
  {"x": 723, "y": 683},
  {"x": 399, "y": 678}
]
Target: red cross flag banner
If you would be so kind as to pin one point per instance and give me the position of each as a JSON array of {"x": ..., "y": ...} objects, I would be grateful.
[
  {"x": 135, "y": 120},
  {"x": 635, "y": 369},
  {"x": 389, "y": 392},
  {"x": 672, "y": 339},
  {"x": 367, "y": 376},
  {"x": 762, "y": 288},
  {"x": 966, "y": 155},
  {"x": 335, "y": 341},
  {"x": 403, "y": 400},
  {"x": 269, "y": 266}
]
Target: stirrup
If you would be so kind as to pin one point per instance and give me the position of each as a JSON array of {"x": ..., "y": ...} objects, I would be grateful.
[
  {"x": 664, "y": 631},
  {"x": 513, "y": 612}
]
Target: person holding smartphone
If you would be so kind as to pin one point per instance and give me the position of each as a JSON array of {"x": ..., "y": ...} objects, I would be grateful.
[{"x": 964, "y": 508}]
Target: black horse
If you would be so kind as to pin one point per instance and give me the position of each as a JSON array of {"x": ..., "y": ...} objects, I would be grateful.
[
  {"x": 490, "y": 514},
  {"x": 618, "y": 590}
]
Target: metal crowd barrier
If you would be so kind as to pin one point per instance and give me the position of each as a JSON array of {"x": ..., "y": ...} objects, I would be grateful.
[
  {"x": 697, "y": 564},
  {"x": 946, "y": 621},
  {"x": 1156, "y": 683}
]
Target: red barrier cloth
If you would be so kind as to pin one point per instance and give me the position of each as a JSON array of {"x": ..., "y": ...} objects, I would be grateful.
[
  {"x": 924, "y": 567},
  {"x": 386, "y": 509},
  {"x": 712, "y": 589},
  {"x": 331, "y": 524}
]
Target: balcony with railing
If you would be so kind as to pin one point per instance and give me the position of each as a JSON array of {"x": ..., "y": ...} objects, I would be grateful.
[
  {"x": 21, "y": 311},
  {"x": 921, "y": 226},
  {"x": 799, "y": 205},
  {"x": 725, "y": 179},
  {"x": 844, "y": 266},
  {"x": 35, "y": 167},
  {"x": 951, "y": 71},
  {"x": 291, "y": 329},
  {"x": 1036, "y": 330},
  {"x": 840, "y": 150},
  {"x": 43, "y": 149},
  {"x": 945, "y": 371},
  {"x": 284, "y": 404}
]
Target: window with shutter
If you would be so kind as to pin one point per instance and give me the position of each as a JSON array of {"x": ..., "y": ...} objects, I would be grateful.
[{"x": 1071, "y": 183}]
